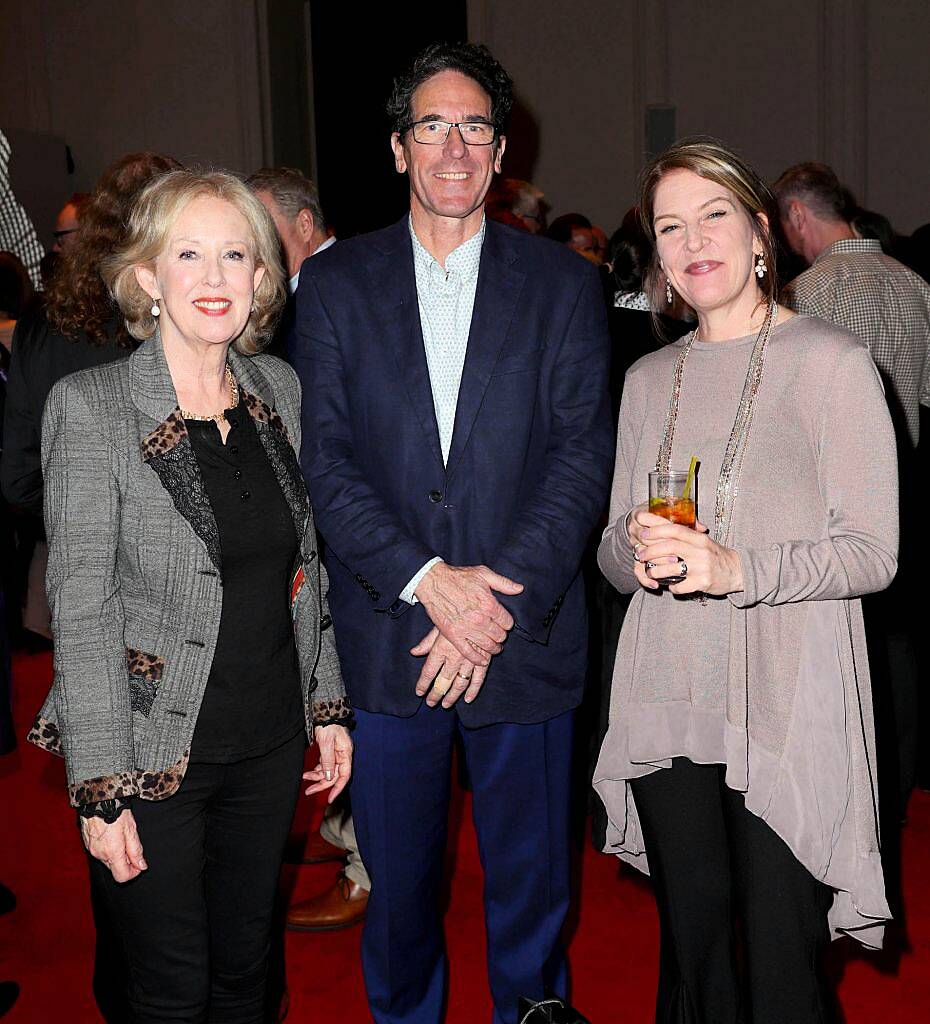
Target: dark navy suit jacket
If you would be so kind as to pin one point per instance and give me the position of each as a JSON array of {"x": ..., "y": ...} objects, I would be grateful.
[
  {"x": 527, "y": 475},
  {"x": 280, "y": 343}
]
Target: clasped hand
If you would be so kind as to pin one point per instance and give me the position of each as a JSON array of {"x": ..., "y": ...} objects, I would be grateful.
[
  {"x": 469, "y": 627},
  {"x": 712, "y": 568}
]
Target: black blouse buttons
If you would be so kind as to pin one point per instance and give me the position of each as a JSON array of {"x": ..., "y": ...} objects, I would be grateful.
[{"x": 246, "y": 495}]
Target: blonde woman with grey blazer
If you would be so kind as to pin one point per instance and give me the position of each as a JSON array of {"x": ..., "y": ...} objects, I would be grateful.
[{"x": 194, "y": 654}]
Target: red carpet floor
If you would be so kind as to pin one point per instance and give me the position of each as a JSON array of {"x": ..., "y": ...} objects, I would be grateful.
[{"x": 46, "y": 943}]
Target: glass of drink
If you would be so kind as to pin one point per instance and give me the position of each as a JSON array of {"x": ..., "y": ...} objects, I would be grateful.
[{"x": 673, "y": 495}]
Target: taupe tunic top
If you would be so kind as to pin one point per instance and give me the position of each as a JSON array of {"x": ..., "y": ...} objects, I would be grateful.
[{"x": 773, "y": 681}]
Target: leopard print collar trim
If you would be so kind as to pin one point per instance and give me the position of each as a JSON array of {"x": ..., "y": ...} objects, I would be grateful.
[
  {"x": 261, "y": 411},
  {"x": 172, "y": 430},
  {"x": 167, "y": 435}
]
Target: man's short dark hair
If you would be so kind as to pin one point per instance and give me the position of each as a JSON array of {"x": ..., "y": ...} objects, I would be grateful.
[
  {"x": 291, "y": 190},
  {"x": 817, "y": 186},
  {"x": 471, "y": 59},
  {"x": 562, "y": 228}
]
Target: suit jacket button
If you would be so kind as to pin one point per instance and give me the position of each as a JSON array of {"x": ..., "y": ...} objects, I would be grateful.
[
  {"x": 375, "y": 595},
  {"x": 435, "y": 496}
]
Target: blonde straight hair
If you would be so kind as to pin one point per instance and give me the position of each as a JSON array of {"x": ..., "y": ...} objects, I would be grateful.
[
  {"x": 150, "y": 222},
  {"x": 711, "y": 159}
]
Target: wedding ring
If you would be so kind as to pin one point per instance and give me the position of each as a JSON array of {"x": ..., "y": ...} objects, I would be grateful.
[
  {"x": 636, "y": 548},
  {"x": 463, "y": 676},
  {"x": 682, "y": 569}
]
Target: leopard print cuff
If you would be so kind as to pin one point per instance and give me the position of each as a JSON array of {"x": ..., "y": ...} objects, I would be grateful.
[
  {"x": 105, "y": 787},
  {"x": 147, "y": 784},
  {"x": 45, "y": 734},
  {"x": 332, "y": 712}
]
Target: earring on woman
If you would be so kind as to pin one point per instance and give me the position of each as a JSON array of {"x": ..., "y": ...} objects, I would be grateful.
[
  {"x": 668, "y": 291},
  {"x": 760, "y": 268},
  {"x": 155, "y": 311}
]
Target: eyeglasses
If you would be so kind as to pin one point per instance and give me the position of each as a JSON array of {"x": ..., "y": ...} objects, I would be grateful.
[{"x": 435, "y": 133}]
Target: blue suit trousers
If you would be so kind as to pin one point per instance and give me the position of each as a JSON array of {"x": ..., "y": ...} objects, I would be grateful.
[{"x": 520, "y": 778}]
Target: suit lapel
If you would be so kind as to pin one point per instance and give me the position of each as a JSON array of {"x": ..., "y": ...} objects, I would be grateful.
[
  {"x": 166, "y": 448},
  {"x": 496, "y": 297},
  {"x": 395, "y": 283}
]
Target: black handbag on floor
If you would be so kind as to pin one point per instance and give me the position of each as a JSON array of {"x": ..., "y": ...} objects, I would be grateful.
[{"x": 551, "y": 1010}]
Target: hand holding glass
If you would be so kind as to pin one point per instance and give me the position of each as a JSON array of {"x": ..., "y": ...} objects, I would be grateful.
[{"x": 672, "y": 496}]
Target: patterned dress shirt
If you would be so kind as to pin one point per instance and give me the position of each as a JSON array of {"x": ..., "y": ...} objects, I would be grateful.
[
  {"x": 17, "y": 234},
  {"x": 854, "y": 284},
  {"x": 446, "y": 298}
]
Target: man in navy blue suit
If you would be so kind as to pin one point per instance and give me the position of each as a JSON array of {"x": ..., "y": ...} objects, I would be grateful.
[{"x": 458, "y": 448}]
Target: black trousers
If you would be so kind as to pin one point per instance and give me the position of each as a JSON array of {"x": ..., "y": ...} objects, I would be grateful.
[
  {"x": 195, "y": 927},
  {"x": 714, "y": 863}
]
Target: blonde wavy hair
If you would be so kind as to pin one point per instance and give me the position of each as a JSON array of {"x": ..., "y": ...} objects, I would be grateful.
[{"x": 150, "y": 222}]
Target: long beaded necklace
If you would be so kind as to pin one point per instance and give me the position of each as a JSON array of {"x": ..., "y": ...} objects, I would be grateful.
[
  {"x": 219, "y": 416},
  {"x": 732, "y": 465}
]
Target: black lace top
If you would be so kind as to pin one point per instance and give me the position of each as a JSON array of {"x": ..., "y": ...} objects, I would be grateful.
[{"x": 252, "y": 701}]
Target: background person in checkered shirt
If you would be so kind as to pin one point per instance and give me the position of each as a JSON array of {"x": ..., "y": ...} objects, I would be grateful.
[{"x": 852, "y": 282}]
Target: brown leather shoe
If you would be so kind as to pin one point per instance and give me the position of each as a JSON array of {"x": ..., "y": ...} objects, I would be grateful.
[
  {"x": 340, "y": 906},
  {"x": 319, "y": 850}
]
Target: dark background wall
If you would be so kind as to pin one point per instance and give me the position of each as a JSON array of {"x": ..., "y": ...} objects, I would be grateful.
[
  {"x": 843, "y": 81},
  {"x": 355, "y": 60},
  {"x": 241, "y": 83},
  {"x": 182, "y": 77}
]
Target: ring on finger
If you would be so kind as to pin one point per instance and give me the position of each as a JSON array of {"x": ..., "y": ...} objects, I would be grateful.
[
  {"x": 682, "y": 568},
  {"x": 462, "y": 675},
  {"x": 636, "y": 548},
  {"x": 476, "y": 645}
]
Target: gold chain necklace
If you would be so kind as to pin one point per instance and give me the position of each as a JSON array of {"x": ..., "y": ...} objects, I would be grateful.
[{"x": 220, "y": 416}]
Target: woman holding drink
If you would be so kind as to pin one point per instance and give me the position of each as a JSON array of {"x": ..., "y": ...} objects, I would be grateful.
[{"x": 740, "y": 753}]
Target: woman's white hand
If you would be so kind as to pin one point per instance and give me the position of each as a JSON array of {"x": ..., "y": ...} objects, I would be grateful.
[
  {"x": 660, "y": 546},
  {"x": 117, "y": 845},
  {"x": 638, "y": 520},
  {"x": 335, "y": 767}
]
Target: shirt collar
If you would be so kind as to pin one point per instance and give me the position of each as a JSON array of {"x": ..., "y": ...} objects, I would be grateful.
[
  {"x": 463, "y": 262},
  {"x": 850, "y": 245},
  {"x": 292, "y": 282}
]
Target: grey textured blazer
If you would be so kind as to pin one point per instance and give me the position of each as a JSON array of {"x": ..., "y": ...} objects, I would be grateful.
[{"x": 134, "y": 573}]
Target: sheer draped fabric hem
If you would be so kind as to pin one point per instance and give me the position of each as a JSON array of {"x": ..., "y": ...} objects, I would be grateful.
[{"x": 811, "y": 796}]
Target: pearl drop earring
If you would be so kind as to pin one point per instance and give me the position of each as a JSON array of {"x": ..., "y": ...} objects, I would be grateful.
[{"x": 155, "y": 309}]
